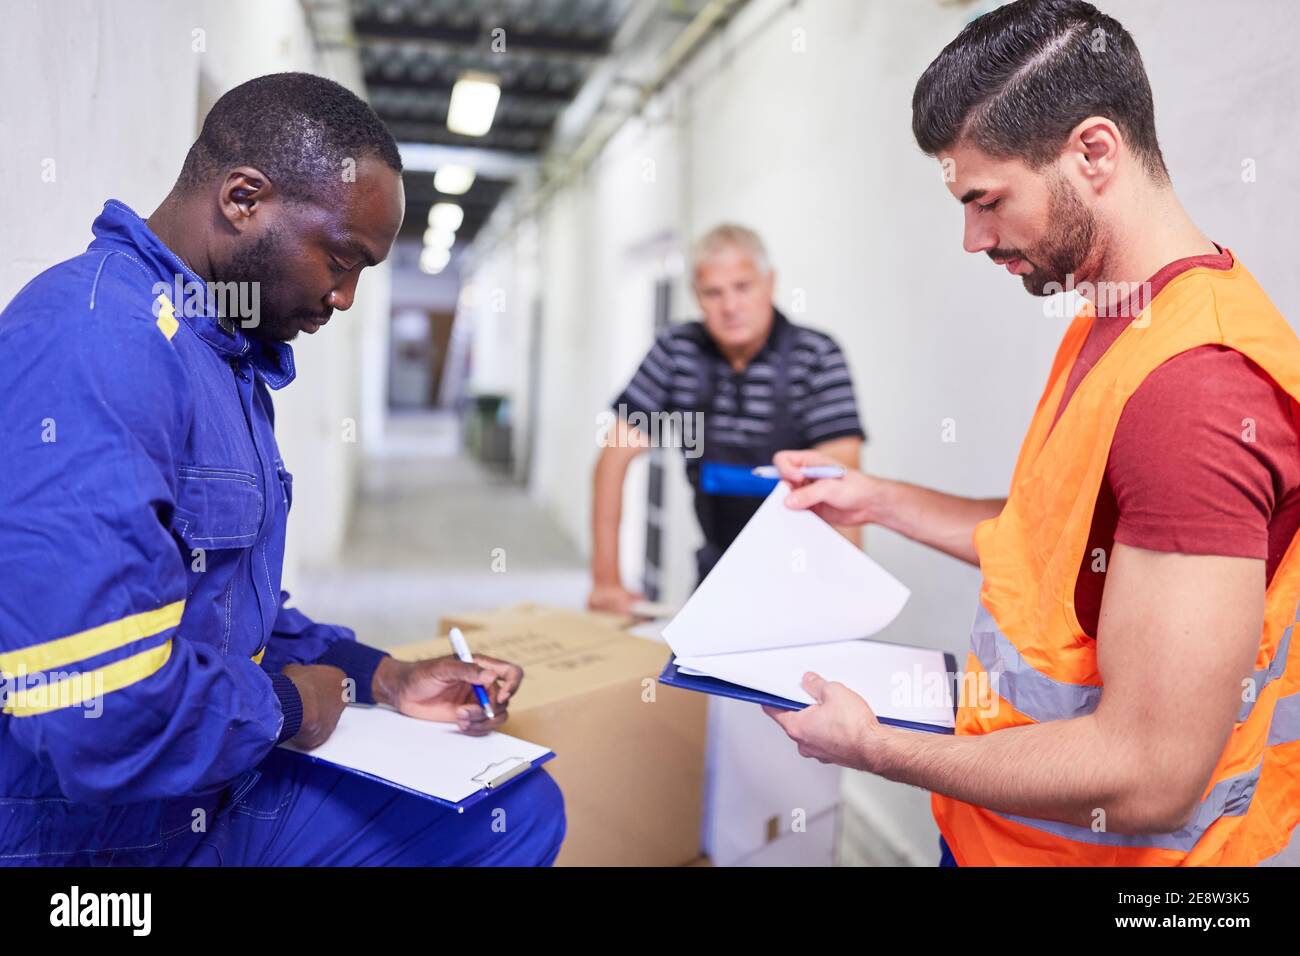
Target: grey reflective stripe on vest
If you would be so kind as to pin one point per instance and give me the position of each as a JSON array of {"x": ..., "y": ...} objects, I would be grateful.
[
  {"x": 1013, "y": 679},
  {"x": 1042, "y": 698},
  {"x": 1227, "y": 798},
  {"x": 1285, "y": 727},
  {"x": 1269, "y": 674}
]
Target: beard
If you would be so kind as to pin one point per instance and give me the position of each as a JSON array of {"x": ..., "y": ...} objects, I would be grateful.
[
  {"x": 1070, "y": 241},
  {"x": 254, "y": 265}
]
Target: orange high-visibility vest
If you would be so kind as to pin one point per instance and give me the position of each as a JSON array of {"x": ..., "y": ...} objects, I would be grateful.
[{"x": 1029, "y": 647}]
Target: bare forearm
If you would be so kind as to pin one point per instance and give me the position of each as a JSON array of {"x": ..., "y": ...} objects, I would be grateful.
[
  {"x": 1064, "y": 770},
  {"x": 848, "y": 452},
  {"x": 942, "y": 521},
  {"x": 606, "y": 515}
]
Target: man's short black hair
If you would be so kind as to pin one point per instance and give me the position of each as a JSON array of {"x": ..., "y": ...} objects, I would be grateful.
[
  {"x": 298, "y": 129},
  {"x": 1019, "y": 78}
]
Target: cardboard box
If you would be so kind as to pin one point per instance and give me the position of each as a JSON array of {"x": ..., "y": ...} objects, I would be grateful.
[
  {"x": 520, "y": 615},
  {"x": 629, "y": 752}
]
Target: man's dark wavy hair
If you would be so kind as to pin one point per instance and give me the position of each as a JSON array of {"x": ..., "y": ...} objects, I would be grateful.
[{"x": 1016, "y": 81}]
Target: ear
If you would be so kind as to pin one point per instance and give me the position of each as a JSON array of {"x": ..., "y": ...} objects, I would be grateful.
[
  {"x": 243, "y": 192},
  {"x": 1093, "y": 151}
]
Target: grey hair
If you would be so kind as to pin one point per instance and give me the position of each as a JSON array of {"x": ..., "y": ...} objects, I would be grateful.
[{"x": 730, "y": 236}]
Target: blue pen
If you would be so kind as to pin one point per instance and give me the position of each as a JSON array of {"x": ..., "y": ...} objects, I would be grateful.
[
  {"x": 461, "y": 647},
  {"x": 811, "y": 471}
]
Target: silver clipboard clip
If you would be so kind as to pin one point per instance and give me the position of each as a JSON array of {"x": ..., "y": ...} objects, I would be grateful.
[{"x": 499, "y": 772}]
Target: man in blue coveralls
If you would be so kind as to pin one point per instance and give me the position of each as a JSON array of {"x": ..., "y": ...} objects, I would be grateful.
[{"x": 149, "y": 664}]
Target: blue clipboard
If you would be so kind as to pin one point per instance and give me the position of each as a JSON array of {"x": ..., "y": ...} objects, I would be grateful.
[
  {"x": 673, "y": 677},
  {"x": 514, "y": 774}
]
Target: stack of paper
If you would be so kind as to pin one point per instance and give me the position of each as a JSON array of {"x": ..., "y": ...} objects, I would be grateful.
[
  {"x": 430, "y": 759},
  {"x": 791, "y": 595}
]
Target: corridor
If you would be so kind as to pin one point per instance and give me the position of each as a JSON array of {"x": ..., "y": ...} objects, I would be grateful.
[{"x": 429, "y": 527}]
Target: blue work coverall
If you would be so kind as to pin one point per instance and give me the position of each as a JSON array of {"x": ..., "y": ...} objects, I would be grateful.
[{"x": 143, "y": 504}]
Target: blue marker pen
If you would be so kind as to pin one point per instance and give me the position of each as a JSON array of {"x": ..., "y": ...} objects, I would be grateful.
[
  {"x": 811, "y": 471},
  {"x": 461, "y": 647}
]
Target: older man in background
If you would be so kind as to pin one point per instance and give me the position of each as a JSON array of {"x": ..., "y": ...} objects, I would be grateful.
[{"x": 754, "y": 381}]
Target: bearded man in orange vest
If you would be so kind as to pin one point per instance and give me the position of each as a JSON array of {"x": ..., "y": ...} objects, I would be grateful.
[{"x": 1128, "y": 696}]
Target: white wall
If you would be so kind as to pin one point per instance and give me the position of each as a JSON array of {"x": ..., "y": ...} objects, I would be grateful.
[
  {"x": 87, "y": 118},
  {"x": 320, "y": 418},
  {"x": 814, "y": 149},
  {"x": 114, "y": 93}
]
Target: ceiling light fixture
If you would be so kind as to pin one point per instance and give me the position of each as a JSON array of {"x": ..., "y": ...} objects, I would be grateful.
[
  {"x": 435, "y": 238},
  {"x": 473, "y": 104},
  {"x": 446, "y": 215},
  {"x": 433, "y": 261},
  {"x": 453, "y": 180}
]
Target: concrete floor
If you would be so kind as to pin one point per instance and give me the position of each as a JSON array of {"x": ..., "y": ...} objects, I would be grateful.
[{"x": 423, "y": 542}]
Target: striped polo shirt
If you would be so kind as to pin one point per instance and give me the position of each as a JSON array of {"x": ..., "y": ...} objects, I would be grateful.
[{"x": 820, "y": 401}]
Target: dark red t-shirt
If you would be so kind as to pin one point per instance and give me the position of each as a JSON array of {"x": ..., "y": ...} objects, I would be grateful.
[{"x": 1205, "y": 458}]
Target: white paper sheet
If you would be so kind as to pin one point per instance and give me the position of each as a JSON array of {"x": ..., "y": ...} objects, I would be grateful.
[
  {"x": 421, "y": 755},
  {"x": 788, "y": 579},
  {"x": 898, "y": 682},
  {"x": 791, "y": 595}
]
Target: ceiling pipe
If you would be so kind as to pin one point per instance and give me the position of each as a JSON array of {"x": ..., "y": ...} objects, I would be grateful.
[{"x": 710, "y": 18}]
